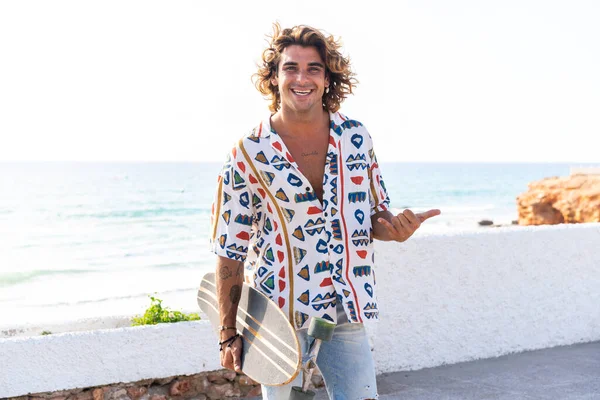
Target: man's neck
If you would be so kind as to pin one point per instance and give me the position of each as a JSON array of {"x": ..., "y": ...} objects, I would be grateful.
[{"x": 289, "y": 124}]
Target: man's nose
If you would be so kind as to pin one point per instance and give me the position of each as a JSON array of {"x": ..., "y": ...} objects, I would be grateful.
[{"x": 301, "y": 76}]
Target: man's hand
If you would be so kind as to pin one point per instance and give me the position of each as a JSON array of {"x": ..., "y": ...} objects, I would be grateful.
[
  {"x": 231, "y": 353},
  {"x": 401, "y": 226}
]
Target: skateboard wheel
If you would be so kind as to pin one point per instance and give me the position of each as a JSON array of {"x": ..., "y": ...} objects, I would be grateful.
[
  {"x": 320, "y": 328},
  {"x": 298, "y": 394}
]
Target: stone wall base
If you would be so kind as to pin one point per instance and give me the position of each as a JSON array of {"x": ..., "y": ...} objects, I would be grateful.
[{"x": 213, "y": 385}]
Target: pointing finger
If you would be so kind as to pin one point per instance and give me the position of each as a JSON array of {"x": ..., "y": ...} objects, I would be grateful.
[{"x": 428, "y": 214}]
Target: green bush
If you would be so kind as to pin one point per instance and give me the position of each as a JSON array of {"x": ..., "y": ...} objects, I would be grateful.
[{"x": 156, "y": 314}]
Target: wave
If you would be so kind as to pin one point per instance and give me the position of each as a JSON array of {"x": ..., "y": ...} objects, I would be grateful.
[
  {"x": 117, "y": 298},
  {"x": 142, "y": 213},
  {"x": 453, "y": 209},
  {"x": 14, "y": 278},
  {"x": 467, "y": 208},
  {"x": 183, "y": 264},
  {"x": 474, "y": 192}
]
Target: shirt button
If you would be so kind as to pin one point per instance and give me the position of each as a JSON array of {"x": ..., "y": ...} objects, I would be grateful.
[
  {"x": 325, "y": 214},
  {"x": 331, "y": 246},
  {"x": 307, "y": 189}
]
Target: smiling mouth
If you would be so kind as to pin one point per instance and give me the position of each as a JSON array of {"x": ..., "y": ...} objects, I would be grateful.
[{"x": 301, "y": 92}]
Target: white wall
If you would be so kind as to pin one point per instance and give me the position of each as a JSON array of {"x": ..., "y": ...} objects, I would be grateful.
[
  {"x": 458, "y": 297},
  {"x": 443, "y": 299},
  {"x": 83, "y": 359}
]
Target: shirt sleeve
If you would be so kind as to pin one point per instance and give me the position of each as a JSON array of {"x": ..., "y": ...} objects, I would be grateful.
[
  {"x": 232, "y": 211},
  {"x": 378, "y": 196}
]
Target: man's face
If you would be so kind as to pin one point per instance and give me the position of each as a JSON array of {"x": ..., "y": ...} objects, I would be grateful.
[{"x": 301, "y": 79}]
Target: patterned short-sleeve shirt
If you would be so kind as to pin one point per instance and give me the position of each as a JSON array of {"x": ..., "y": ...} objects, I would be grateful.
[{"x": 303, "y": 254}]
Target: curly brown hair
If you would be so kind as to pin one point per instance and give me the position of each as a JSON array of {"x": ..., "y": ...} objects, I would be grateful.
[{"x": 341, "y": 78}]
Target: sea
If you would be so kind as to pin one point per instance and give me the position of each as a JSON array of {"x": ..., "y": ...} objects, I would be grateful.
[{"x": 82, "y": 240}]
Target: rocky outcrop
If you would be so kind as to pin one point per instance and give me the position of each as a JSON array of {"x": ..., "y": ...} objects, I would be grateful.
[{"x": 573, "y": 199}]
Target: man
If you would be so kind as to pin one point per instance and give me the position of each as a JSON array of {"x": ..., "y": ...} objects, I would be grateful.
[{"x": 299, "y": 202}]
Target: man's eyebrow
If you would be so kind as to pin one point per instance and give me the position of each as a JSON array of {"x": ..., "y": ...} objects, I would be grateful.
[{"x": 310, "y": 64}]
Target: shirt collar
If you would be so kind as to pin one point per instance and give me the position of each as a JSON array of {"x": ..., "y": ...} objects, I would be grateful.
[{"x": 264, "y": 130}]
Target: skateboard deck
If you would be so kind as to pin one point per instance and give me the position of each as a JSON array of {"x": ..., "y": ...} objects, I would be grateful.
[{"x": 271, "y": 353}]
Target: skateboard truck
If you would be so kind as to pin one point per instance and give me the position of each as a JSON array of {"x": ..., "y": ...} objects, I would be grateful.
[{"x": 322, "y": 331}]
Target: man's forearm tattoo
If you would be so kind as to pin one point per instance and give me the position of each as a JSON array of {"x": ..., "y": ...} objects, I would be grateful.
[
  {"x": 224, "y": 272},
  {"x": 235, "y": 293}
]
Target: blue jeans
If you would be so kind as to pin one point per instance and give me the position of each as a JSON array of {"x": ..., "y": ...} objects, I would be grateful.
[{"x": 345, "y": 362}]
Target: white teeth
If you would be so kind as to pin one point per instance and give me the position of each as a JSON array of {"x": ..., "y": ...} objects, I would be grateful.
[{"x": 301, "y": 92}]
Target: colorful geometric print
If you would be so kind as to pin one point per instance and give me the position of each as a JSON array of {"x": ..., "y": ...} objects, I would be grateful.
[
  {"x": 288, "y": 214},
  {"x": 236, "y": 252},
  {"x": 226, "y": 216},
  {"x": 314, "y": 226},
  {"x": 282, "y": 196},
  {"x": 303, "y": 197},
  {"x": 280, "y": 163},
  {"x": 339, "y": 129},
  {"x": 336, "y": 229},
  {"x": 360, "y": 216},
  {"x": 304, "y": 273},
  {"x": 306, "y": 254},
  {"x": 243, "y": 219},
  {"x": 260, "y": 157},
  {"x": 363, "y": 270},
  {"x": 371, "y": 311},
  {"x": 352, "y": 311},
  {"x": 337, "y": 275},
  {"x": 268, "y": 177},
  {"x": 323, "y": 266},
  {"x": 324, "y": 301},
  {"x": 355, "y": 162},
  {"x": 300, "y": 318},
  {"x": 333, "y": 164},
  {"x": 267, "y": 283},
  {"x": 357, "y": 197},
  {"x": 360, "y": 238},
  {"x": 299, "y": 254},
  {"x": 304, "y": 298},
  {"x": 294, "y": 180},
  {"x": 298, "y": 234}
]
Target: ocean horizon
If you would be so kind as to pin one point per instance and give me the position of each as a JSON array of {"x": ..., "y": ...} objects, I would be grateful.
[{"x": 90, "y": 239}]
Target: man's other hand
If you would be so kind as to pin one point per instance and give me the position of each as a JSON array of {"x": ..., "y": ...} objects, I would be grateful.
[
  {"x": 403, "y": 225},
  {"x": 231, "y": 355}
]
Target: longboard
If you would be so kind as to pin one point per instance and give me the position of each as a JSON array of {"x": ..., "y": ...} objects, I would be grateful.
[{"x": 271, "y": 353}]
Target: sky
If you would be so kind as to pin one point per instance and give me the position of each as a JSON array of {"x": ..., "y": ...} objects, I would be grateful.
[{"x": 440, "y": 81}]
